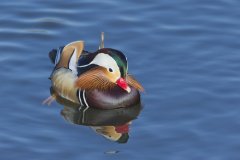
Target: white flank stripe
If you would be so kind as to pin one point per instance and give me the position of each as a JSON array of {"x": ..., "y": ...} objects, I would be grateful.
[
  {"x": 79, "y": 97},
  {"x": 84, "y": 98}
]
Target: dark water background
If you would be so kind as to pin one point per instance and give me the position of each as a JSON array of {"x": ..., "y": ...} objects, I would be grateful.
[{"x": 185, "y": 52}]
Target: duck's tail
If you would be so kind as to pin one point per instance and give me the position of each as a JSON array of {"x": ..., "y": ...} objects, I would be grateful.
[{"x": 55, "y": 54}]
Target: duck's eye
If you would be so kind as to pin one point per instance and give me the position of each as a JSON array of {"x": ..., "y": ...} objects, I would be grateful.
[{"x": 110, "y": 69}]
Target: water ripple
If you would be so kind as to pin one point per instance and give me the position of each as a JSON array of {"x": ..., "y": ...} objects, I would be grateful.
[{"x": 186, "y": 54}]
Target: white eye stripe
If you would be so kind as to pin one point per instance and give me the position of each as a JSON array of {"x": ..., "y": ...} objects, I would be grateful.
[{"x": 106, "y": 61}]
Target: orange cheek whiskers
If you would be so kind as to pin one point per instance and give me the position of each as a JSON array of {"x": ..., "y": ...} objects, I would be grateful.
[{"x": 94, "y": 79}]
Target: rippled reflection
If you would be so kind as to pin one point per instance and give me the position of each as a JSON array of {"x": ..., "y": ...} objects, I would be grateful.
[{"x": 112, "y": 124}]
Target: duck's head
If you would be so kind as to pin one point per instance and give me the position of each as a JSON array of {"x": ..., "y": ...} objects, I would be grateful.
[{"x": 106, "y": 69}]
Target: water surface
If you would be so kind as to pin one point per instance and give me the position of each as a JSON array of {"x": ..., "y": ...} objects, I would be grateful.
[{"x": 186, "y": 54}]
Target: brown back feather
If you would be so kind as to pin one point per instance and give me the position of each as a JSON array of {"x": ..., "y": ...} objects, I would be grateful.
[{"x": 134, "y": 83}]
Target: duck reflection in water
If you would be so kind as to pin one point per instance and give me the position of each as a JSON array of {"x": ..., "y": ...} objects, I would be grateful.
[{"x": 112, "y": 124}]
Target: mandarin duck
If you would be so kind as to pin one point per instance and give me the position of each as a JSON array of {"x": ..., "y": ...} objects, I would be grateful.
[{"x": 99, "y": 79}]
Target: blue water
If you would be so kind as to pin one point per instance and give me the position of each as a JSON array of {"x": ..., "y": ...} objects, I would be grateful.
[{"x": 186, "y": 54}]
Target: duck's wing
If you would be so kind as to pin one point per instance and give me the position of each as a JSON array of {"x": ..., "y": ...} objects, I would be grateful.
[
  {"x": 70, "y": 55},
  {"x": 65, "y": 71}
]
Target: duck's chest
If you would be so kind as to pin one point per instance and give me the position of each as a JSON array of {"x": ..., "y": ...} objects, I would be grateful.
[{"x": 114, "y": 98}]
